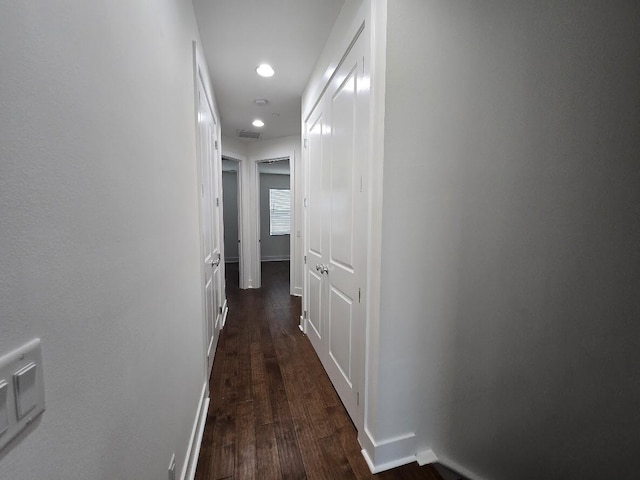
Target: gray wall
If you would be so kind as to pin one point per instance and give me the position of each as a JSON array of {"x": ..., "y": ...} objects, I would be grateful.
[
  {"x": 510, "y": 332},
  {"x": 100, "y": 242},
  {"x": 275, "y": 247},
  {"x": 230, "y": 208}
]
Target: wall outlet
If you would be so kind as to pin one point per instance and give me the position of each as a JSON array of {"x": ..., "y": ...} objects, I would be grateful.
[{"x": 172, "y": 467}]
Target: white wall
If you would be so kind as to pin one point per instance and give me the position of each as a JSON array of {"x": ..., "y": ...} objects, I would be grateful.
[
  {"x": 99, "y": 245},
  {"x": 510, "y": 340},
  {"x": 234, "y": 148}
]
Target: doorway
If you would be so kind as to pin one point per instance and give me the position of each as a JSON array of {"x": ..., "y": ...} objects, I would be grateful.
[
  {"x": 274, "y": 218},
  {"x": 231, "y": 220}
]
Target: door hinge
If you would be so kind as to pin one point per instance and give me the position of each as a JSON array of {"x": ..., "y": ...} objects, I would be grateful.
[
  {"x": 305, "y": 143},
  {"x": 215, "y": 144},
  {"x": 217, "y": 201},
  {"x": 358, "y": 398},
  {"x": 305, "y": 259},
  {"x": 304, "y": 314},
  {"x": 305, "y": 202},
  {"x": 359, "y": 295}
]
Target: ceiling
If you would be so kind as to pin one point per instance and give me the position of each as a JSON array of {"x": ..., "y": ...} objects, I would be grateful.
[{"x": 238, "y": 35}]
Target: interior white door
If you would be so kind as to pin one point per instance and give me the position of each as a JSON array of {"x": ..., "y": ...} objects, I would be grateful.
[
  {"x": 337, "y": 152},
  {"x": 316, "y": 198},
  {"x": 209, "y": 220},
  {"x": 218, "y": 232}
]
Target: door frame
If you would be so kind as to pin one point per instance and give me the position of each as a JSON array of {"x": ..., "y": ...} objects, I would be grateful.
[
  {"x": 255, "y": 219},
  {"x": 239, "y": 182},
  {"x": 201, "y": 76}
]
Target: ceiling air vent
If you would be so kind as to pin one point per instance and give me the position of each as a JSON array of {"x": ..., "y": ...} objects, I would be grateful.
[{"x": 248, "y": 134}]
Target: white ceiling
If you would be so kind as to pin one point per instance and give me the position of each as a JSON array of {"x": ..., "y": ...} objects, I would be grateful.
[{"x": 238, "y": 35}]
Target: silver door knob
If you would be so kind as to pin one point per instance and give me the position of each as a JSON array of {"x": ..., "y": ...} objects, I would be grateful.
[
  {"x": 325, "y": 269},
  {"x": 318, "y": 268}
]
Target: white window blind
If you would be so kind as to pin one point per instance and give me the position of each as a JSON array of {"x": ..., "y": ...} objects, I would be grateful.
[{"x": 279, "y": 211}]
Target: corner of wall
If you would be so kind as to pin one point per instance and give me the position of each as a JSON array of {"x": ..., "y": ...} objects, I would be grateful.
[
  {"x": 387, "y": 454},
  {"x": 234, "y": 148}
]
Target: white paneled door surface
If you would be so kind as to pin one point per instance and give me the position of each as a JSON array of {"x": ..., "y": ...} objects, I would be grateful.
[
  {"x": 209, "y": 170},
  {"x": 336, "y": 155}
]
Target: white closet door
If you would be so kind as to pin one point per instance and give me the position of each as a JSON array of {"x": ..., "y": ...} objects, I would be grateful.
[
  {"x": 337, "y": 144},
  {"x": 316, "y": 207}
]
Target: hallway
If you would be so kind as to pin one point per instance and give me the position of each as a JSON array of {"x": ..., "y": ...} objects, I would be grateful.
[{"x": 273, "y": 411}]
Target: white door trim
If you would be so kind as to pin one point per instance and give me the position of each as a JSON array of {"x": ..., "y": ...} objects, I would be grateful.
[
  {"x": 202, "y": 82},
  {"x": 254, "y": 215},
  {"x": 239, "y": 210}
]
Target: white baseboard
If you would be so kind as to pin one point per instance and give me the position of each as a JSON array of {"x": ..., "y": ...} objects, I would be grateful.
[
  {"x": 297, "y": 291},
  {"x": 387, "y": 454},
  {"x": 193, "y": 450},
  {"x": 386, "y": 466},
  {"x": 275, "y": 258},
  {"x": 426, "y": 457},
  {"x": 225, "y": 312},
  {"x": 459, "y": 469}
]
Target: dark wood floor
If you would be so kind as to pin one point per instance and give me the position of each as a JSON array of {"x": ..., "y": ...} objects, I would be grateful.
[{"x": 274, "y": 413}]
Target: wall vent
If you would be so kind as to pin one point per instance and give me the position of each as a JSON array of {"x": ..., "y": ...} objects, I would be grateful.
[{"x": 248, "y": 134}]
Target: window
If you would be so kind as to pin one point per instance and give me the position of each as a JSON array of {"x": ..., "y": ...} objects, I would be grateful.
[{"x": 279, "y": 211}]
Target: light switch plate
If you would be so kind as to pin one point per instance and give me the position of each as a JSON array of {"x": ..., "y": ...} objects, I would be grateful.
[
  {"x": 22, "y": 371},
  {"x": 4, "y": 409},
  {"x": 172, "y": 467},
  {"x": 24, "y": 382}
]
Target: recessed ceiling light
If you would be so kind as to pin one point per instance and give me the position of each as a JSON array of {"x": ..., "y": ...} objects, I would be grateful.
[
  {"x": 261, "y": 102},
  {"x": 257, "y": 123},
  {"x": 265, "y": 70}
]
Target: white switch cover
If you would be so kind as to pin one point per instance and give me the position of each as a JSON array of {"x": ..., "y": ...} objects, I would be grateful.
[
  {"x": 24, "y": 381},
  {"x": 22, "y": 372},
  {"x": 4, "y": 414}
]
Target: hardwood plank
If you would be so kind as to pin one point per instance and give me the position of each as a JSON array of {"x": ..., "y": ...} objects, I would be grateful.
[
  {"x": 225, "y": 462},
  {"x": 245, "y": 451},
  {"x": 260, "y": 391},
  {"x": 347, "y": 436},
  {"x": 312, "y": 455},
  {"x": 244, "y": 366},
  {"x": 267, "y": 461},
  {"x": 289, "y": 455},
  {"x": 223, "y": 455},
  {"x": 334, "y": 456}
]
